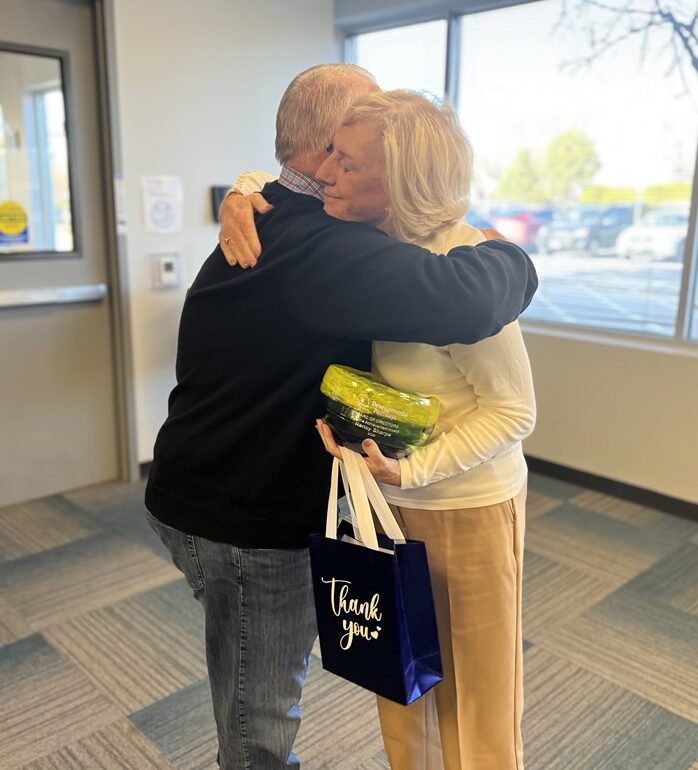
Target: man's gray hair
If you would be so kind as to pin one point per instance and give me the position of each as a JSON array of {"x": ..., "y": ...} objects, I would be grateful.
[{"x": 313, "y": 104}]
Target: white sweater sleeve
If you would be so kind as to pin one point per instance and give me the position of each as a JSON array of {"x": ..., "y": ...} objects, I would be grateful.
[
  {"x": 251, "y": 182},
  {"x": 499, "y": 372}
]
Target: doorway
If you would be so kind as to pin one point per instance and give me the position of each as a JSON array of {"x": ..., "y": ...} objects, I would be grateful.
[{"x": 59, "y": 421}]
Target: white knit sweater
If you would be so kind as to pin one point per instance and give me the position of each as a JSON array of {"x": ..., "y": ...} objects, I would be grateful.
[{"x": 474, "y": 456}]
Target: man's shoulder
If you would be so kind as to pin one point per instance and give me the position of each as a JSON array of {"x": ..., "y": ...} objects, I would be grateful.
[{"x": 277, "y": 194}]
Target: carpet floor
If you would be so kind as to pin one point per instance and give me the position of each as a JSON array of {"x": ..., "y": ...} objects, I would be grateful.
[{"x": 102, "y": 664}]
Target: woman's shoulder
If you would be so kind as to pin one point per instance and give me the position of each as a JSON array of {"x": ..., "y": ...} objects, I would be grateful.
[{"x": 459, "y": 234}]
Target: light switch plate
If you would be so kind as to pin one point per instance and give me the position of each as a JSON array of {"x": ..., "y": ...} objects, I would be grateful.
[{"x": 165, "y": 271}]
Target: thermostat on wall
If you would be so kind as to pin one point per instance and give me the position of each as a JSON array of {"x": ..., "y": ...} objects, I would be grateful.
[{"x": 165, "y": 270}]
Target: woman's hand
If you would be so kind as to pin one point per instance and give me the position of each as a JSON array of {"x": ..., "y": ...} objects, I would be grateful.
[
  {"x": 382, "y": 468},
  {"x": 238, "y": 234}
]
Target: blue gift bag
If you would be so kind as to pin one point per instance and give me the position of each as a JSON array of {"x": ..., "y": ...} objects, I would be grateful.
[{"x": 373, "y": 599}]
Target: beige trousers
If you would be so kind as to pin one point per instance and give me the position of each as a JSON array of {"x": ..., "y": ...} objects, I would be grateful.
[{"x": 471, "y": 720}]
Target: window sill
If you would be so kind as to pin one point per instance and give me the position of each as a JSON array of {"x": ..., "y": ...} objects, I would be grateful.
[{"x": 670, "y": 346}]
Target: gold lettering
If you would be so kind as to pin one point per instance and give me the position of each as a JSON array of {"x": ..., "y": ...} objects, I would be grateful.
[
  {"x": 341, "y": 603},
  {"x": 337, "y": 606}
]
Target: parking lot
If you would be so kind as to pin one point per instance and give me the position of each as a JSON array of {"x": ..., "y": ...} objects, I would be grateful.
[{"x": 607, "y": 292}]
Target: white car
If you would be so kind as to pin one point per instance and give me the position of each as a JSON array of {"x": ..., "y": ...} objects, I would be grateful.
[{"x": 660, "y": 234}]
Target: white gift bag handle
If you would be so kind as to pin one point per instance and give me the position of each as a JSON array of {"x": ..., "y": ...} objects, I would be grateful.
[
  {"x": 331, "y": 519},
  {"x": 380, "y": 505},
  {"x": 352, "y": 512},
  {"x": 360, "y": 487}
]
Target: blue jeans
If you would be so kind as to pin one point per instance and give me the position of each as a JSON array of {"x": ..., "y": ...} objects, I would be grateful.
[{"x": 260, "y": 628}]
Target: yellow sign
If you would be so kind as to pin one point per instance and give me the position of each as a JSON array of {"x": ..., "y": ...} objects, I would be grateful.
[{"x": 13, "y": 221}]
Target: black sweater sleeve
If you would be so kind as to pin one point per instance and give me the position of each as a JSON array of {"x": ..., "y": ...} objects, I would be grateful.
[{"x": 354, "y": 281}]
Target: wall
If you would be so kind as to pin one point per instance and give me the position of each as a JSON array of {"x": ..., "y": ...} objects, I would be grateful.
[
  {"x": 198, "y": 86},
  {"x": 618, "y": 410}
]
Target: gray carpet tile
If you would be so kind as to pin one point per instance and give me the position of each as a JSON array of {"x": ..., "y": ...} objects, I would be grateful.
[
  {"x": 12, "y": 625},
  {"x": 639, "y": 643},
  {"x": 131, "y": 521},
  {"x": 598, "y": 725},
  {"x": 673, "y": 579},
  {"x": 45, "y": 702},
  {"x": 45, "y": 524},
  {"x": 138, "y": 650},
  {"x": 119, "y": 510},
  {"x": 182, "y": 727},
  {"x": 53, "y": 586},
  {"x": 562, "y": 490},
  {"x": 595, "y": 544},
  {"x": 108, "y": 500},
  {"x": 377, "y": 763},
  {"x": 632, "y": 513},
  {"x": 538, "y": 503},
  {"x": 119, "y": 746},
  {"x": 553, "y": 593},
  {"x": 681, "y": 529}
]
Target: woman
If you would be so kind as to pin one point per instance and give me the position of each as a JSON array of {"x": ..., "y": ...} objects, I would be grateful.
[{"x": 404, "y": 164}]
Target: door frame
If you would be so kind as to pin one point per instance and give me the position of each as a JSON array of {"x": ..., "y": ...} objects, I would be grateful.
[{"x": 115, "y": 240}]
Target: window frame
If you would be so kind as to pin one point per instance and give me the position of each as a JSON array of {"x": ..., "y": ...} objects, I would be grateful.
[
  {"x": 350, "y": 28},
  {"x": 63, "y": 58}
]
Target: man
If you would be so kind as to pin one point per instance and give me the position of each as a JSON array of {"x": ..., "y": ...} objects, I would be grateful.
[{"x": 239, "y": 477}]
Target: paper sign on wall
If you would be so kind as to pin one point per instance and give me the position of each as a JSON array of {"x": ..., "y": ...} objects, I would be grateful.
[{"x": 162, "y": 203}]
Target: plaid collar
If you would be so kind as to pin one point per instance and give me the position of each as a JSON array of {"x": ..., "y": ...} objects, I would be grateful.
[{"x": 300, "y": 183}]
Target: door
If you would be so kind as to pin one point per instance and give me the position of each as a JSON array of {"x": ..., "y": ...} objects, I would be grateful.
[{"x": 57, "y": 393}]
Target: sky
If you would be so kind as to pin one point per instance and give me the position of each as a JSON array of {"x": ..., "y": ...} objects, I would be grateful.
[{"x": 515, "y": 92}]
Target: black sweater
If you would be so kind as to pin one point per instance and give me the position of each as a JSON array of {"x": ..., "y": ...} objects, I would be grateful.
[{"x": 238, "y": 459}]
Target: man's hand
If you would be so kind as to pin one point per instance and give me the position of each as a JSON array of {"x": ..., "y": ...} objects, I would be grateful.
[
  {"x": 492, "y": 235},
  {"x": 238, "y": 235},
  {"x": 382, "y": 468}
]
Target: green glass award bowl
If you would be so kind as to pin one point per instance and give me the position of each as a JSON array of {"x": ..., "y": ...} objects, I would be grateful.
[{"x": 360, "y": 406}]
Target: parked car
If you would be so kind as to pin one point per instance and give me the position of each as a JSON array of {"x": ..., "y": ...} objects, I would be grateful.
[
  {"x": 593, "y": 229},
  {"x": 476, "y": 219},
  {"x": 521, "y": 225},
  {"x": 660, "y": 234}
]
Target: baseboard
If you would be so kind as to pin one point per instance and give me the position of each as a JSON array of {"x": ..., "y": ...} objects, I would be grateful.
[{"x": 633, "y": 494}]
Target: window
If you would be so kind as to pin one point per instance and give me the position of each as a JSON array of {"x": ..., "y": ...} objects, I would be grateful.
[
  {"x": 693, "y": 309},
  {"x": 585, "y": 157},
  {"x": 35, "y": 202},
  {"x": 588, "y": 163},
  {"x": 406, "y": 57}
]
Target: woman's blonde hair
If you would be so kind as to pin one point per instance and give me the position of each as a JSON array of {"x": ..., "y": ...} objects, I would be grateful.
[{"x": 428, "y": 161}]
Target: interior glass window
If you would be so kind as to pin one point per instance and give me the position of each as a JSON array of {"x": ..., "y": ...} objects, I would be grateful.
[{"x": 36, "y": 210}]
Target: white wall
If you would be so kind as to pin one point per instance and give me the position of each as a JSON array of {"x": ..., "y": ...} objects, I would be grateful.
[
  {"x": 198, "y": 87},
  {"x": 615, "y": 409}
]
